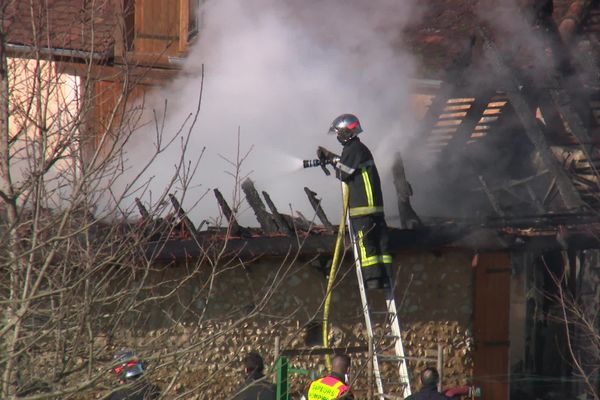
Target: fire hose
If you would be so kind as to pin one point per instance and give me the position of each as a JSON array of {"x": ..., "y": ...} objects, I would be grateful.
[{"x": 333, "y": 271}]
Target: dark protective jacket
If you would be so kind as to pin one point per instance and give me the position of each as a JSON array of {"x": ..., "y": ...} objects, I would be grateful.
[
  {"x": 140, "y": 390},
  {"x": 357, "y": 168},
  {"x": 427, "y": 392},
  {"x": 255, "y": 388}
]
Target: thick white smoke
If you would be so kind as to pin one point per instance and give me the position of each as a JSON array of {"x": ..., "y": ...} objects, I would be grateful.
[{"x": 281, "y": 71}]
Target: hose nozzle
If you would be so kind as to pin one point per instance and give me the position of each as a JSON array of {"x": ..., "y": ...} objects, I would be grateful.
[
  {"x": 311, "y": 163},
  {"x": 319, "y": 163}
]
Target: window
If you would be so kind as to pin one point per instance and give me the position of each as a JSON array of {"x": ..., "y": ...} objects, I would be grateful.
[{"x": 194, "y": 18}]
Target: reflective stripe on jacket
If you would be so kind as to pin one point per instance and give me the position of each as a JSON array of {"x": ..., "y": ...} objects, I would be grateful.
[
  {"x": 357, "y": 168},
  {"x": 327, "y": 388}
]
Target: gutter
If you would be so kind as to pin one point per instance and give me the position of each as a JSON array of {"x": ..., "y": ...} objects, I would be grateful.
[{"x": 57, "y": 52}]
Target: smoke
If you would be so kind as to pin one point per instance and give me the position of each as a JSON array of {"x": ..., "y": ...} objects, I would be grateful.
[{"x": 278, "y": 72}]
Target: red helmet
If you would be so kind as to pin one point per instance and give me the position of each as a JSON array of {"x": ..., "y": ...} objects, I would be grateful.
[
  {"x": 346, "y": 126},
  {"x": 128, "y": 365}
]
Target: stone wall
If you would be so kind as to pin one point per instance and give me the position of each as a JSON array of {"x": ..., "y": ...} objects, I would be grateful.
[{"x": 246, "y": 306}]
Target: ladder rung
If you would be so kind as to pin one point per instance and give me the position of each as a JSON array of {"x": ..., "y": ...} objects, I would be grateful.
[
  {"x": 397, "y": 383},
  {"x": 378, "y": 312},
  {"x": 389, "y": 396},
  {"x": 390, "y": 357}
]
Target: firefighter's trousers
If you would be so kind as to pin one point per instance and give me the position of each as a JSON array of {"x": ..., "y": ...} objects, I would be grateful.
[{"x": 371, "y": 237}]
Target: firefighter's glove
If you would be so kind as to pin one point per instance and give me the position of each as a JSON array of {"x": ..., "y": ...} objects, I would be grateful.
[{"x": 325, "y": 156}]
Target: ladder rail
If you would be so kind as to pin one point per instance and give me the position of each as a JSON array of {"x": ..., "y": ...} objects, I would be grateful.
[
  {"x": 396, "y": 330},
  {"x": 365, "y": 308},
  {"x": 394, "y": 323}
]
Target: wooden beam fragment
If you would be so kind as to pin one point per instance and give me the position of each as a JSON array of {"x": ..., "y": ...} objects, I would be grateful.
[
  {"x": 266, "y": 221},
  {"x": 316, "y": 205},
  {"x": 569, "y": 194},
  {"x": 408, "y": 217},
  {"x": 236, "y": 229},
  {"x": 281, "y": 222},
  {"x": 182, "y": 215},
  {"x": 143, "y": 211}
]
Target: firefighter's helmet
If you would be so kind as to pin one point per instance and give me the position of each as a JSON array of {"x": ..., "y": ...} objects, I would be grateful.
[
  {"x": 346, "y": 126},
  {"x": 128, "y": 365}
]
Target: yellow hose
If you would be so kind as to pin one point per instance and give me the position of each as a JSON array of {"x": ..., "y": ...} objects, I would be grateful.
[{"x": 333, "y": 272}]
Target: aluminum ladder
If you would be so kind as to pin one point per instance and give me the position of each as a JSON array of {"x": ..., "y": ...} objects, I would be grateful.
[{"x": 390, "y": 340}]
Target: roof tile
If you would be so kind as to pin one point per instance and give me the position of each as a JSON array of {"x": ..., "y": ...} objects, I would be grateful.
[{"x": 61, "y": 24}]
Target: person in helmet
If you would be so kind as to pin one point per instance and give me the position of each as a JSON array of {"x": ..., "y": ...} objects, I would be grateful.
[
  {"x": 129, "y": 369},
  {"x": 357, "y": 169}
]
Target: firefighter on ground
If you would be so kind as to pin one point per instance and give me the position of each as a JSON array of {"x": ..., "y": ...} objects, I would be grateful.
[
  {"x": 255, "y": 386},
  {"x": 333, "y": 386},
  {"x": 356, "y": 168},
  {"x": 430, "y": 378},
  {"x": 130, "y": 372}
]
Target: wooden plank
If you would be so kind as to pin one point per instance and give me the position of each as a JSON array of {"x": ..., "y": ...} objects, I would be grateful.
[
  {"x": 491, "y": 324},
  {"x": 184, "y": 20},
  {"x": 120, "y": 29},
  {"x": 157, "y": 27},
  {"x": 569, "y": 194}
]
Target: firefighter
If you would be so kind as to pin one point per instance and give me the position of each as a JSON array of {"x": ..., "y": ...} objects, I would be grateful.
[
  {"x": 333, "y": 386},
  {"x": 130, "y": 370},
  {"x": 356, "y": 168}
]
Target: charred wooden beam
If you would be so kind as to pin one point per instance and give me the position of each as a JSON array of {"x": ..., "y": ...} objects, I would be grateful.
[
  {"x": 283, "y": 225},
  {"x": 564, "y": 105},
  {"x": 408, "y": 217},
  {"x": 258, "y": 246},
  {"x": 143, "y": 211},
  {"x": 266, "y": 220},
  {"x": 304, "y": 221},
  {"x": 569, "y": 194},
  {"x": 535, "y": 199},
  {"x": 298, "y": 223},
  {"x": 182, "y": 215},
  {"x": 493, "y": 200},
  {"x": 236, "y": 229},
  {"x": 316, "y": 205}
]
